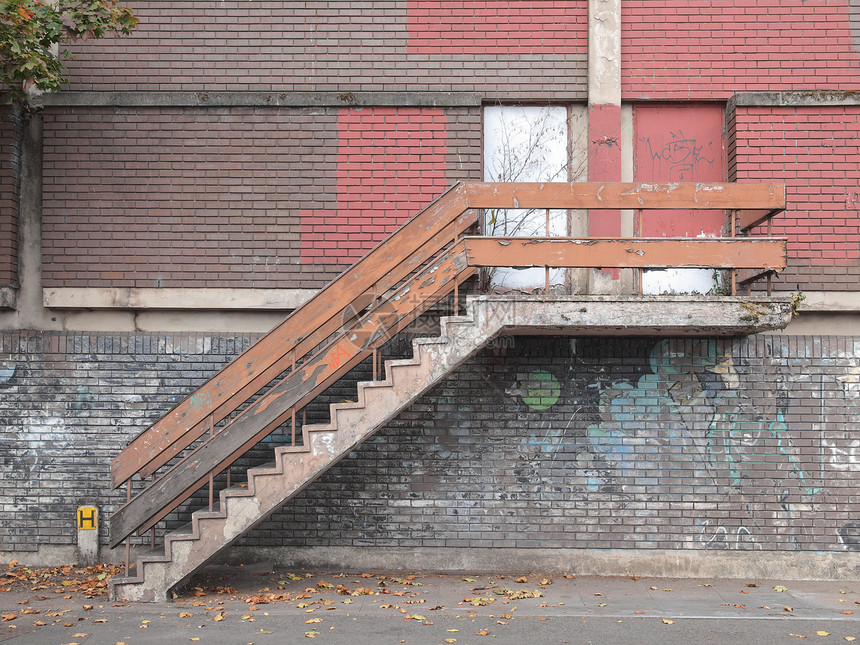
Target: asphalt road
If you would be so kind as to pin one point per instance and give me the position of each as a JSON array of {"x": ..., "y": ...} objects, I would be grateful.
[{"x": 253, "y": 604}]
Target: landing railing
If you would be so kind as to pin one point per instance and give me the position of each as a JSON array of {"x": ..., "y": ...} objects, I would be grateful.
[{"x": 424, "y": 261}]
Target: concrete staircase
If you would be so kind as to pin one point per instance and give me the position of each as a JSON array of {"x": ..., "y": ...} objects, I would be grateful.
[{"x": 271, "y": 485}]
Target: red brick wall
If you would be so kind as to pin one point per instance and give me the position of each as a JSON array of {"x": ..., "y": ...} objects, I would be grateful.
[
  {"x": 706, "y": 49},
  {"x": 10, "y": 155},
  {"x": 815, "y": 151},
  {"x": 391, "y": 162},
  {"x": 213, "y": 197},
  {"x": 505, "y": 49}
]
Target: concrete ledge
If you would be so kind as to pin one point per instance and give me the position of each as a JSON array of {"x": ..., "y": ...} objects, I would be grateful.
[
  {"x": 8, "y": 297},
  {"x": 260, "y": 99},
  {"x": 795, "y": 565},
  {"x": 635, "y": 315},
  {"x": 796, "y": 98},
  {"x": 176, "y": 299},
  {"x": 838, "y": 301}
]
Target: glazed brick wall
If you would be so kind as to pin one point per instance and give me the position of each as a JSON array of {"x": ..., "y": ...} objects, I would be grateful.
[
  {"x": 629, "y": 443},
  {"x": 505, "y": 49},
  {"x": 69, "y": 403},
  {"x": 172, "y": 197},
  {"x": 534, "y": 443},
  {"x": 391, "y": 163},
  {"x": 10, "y": 158},
  {"x": 814, "y": 151},
  {"x": 706, "y": 49}
]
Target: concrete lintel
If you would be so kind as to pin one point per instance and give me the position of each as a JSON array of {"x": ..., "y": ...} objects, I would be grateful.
[
  {"x": 678, "y": 563},
  {"x": 795, "y": 98},
  {"x": 8, "y": 297},
  {"x": 637, "y": 315},
  {"x": 175, "y": 299},
  {"x": 262, "y": 99}
]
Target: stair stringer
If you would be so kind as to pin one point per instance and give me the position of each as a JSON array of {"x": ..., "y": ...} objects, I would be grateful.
[{"x": 270, "y": 486}]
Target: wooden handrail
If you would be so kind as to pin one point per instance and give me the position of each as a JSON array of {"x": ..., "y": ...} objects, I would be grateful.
[
  {"x": 415, "y": 243},
  {"x": 328, "y": 364}
]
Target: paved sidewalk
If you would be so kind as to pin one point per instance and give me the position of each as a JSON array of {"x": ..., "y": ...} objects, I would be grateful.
[{"x": 253, "y": 604}]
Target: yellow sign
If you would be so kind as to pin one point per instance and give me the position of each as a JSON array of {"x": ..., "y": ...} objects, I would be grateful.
[{"x": 88, "y": 518}]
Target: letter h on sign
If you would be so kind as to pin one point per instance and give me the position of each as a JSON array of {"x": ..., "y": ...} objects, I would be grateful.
[{"x": 87, "y": 518}]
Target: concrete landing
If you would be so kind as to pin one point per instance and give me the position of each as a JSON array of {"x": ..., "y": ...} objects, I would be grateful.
[{"x": 637, "y": 315}]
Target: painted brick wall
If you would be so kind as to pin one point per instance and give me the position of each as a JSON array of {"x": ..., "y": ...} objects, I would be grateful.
[
  {"x": 535, "y": 443},
  {"x": 814, "y": 150},
  {"x": 237, "y": 197},
  {"x": 391, "y": 163},
  {"x": 10, "y": 155},
  {"x": 705, "y": 49},
  {"x": 503, "y": 48}
]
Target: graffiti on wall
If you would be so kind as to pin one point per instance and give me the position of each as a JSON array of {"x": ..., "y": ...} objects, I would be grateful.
[{"x": 701, "y": 426}]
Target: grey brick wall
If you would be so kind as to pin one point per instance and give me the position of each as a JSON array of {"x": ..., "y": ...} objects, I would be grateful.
[
  {"x": 606, "y": 443},
  {"x": 534, "y": 443}
]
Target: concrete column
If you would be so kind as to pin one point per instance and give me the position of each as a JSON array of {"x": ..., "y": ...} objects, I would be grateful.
[
  {"x": 604, "y": 124},
  {"x": 30, "y": 313}
]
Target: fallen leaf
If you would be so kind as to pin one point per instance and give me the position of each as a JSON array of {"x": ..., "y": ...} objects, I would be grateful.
[
  {"x": 80, "y": 635},
  {"x": 312, "y": 634},
  {"x": 194, "y": 638},
  {"x": 850, "y": 638},
  {"x": 787, "y": 608},
  {"x": 638, "y": 611},
  {"x": 8, "y": 617},
  {"x": 469, "y": 580},
  {"x": 602, "y": 604},
  {"x": 218, "y": 617},
  {"x": 36, "y": 611},
  {"x": 765, "y": 607},
  {"x": 668, "y": 621},
  {"x": 453, "y": 630},
  {"x": 780, "y": 588},
  {"x": 483, "y": 632},
  {"x": 821, "y": 632},
  {"x": 185, "y": 614},
  {"x": 450, "y": 640},
  {"x": 569, "y": 576},
  {"x": 100, "y": 620},
  {"x": 798, "y": 635},
  {"x": 844, "y": 612},
  {"x": 521, "y": 579},
  {"x": 39, "y": 623},
  {"x": 546, "y": 581},
  {"x": 312, "y": 620}
]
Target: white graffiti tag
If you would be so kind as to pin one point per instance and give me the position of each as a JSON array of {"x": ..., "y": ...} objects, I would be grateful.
[{"x": 845, "y": 458}]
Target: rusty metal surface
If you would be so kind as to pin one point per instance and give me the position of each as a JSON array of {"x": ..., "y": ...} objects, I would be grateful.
[
  {"x": 265, "y": 414},
  {"x": 718, "y": 253}
]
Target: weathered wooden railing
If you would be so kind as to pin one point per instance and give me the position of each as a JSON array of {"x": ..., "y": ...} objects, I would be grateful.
[{"x": 424, "y": 261}]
